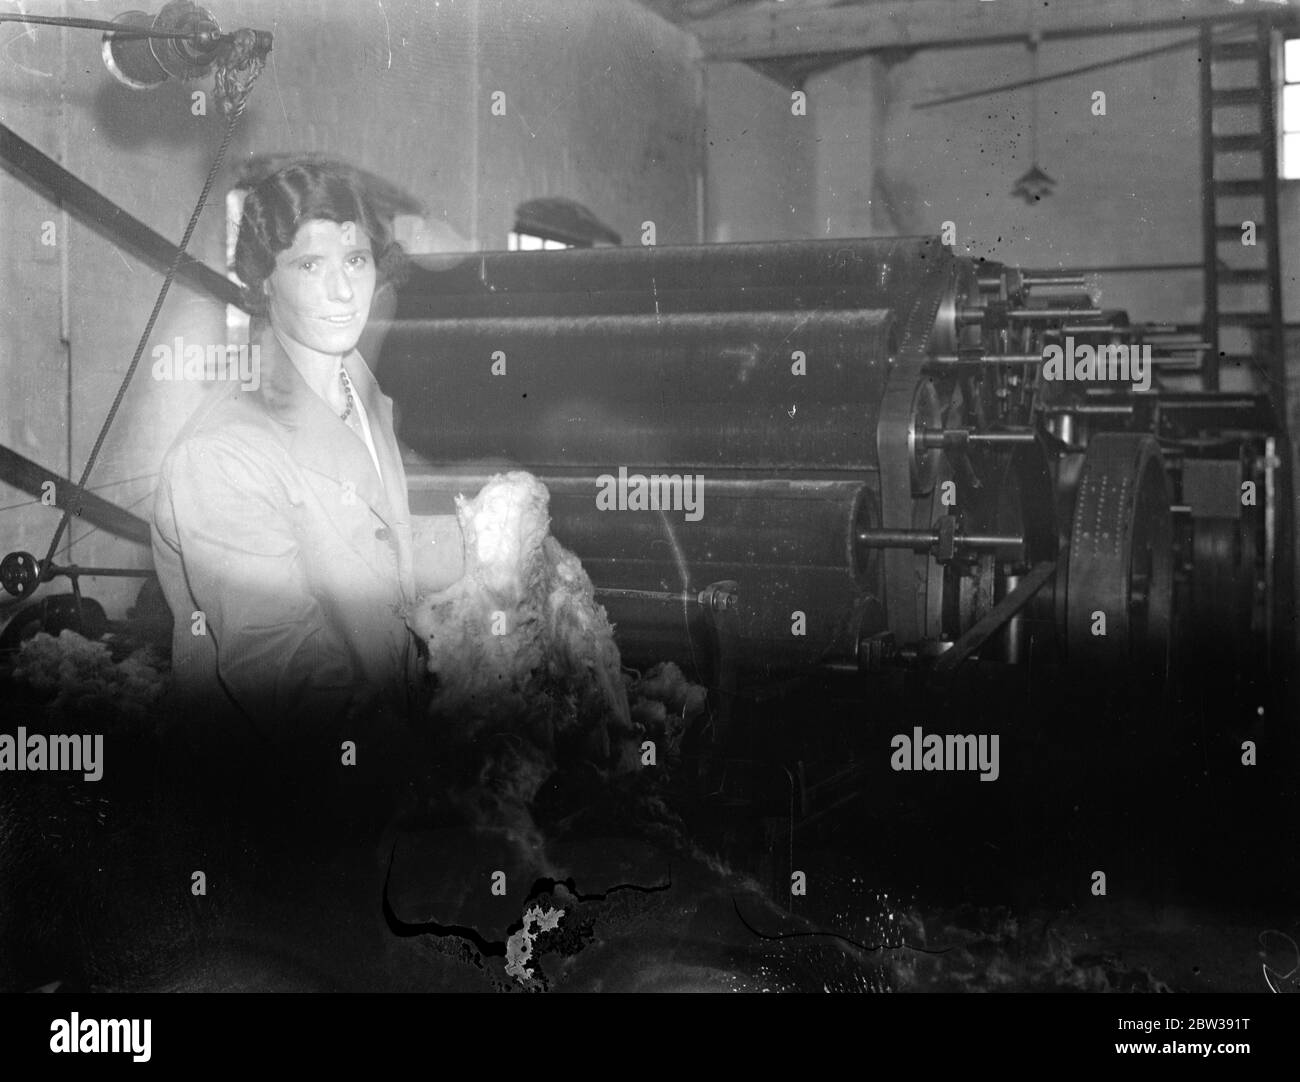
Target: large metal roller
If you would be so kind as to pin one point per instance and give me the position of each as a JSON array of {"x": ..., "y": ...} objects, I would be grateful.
[
  {"x": 790, "y": 544},
  {"x": 659, "y": 393},
  {"x": 842, "y": 273}
]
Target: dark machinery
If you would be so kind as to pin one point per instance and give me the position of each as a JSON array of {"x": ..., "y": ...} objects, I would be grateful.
[
  {"x": 888, "y": 479},
  {"x": 846, "y": 456}
]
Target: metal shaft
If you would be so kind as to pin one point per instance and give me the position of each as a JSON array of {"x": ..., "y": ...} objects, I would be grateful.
[
  {"x": 959, "y": 437},
  {"x": 924, "y": 540}
]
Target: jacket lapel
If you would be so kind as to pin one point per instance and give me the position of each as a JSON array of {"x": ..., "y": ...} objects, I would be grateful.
[
  {"x": 320, "y": 441},
  {"x": 379, "y": 413}
]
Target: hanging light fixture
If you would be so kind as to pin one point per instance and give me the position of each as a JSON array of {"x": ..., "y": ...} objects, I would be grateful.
[{"x": 1034, "y": 184}]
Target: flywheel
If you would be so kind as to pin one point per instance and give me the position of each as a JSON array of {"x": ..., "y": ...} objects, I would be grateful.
[{"x": 1119, "y": 597}]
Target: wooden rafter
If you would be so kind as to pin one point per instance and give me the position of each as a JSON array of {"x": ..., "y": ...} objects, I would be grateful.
[{"x": 772, "y": 31}]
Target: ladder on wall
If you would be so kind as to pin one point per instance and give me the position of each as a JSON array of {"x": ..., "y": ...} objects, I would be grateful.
[
  {"x": 1243, "y": 283},
  {"x": 1243, "y": 330}
]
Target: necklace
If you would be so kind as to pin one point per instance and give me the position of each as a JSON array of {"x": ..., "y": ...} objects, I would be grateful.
[{"x": 347, "y": 389}]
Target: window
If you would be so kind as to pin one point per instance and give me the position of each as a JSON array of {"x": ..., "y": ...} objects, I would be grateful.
[
  {"x": 1291, "y": 109},
  {"x": 556, "y": 222},
  {"x": 518, "y": 241}
]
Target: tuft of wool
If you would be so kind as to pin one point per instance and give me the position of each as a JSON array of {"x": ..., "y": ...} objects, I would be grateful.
[
  {"x": 665, "y": 704},
  {"x": 519, "y": 644},
  {"x": 80, "y": 678}
]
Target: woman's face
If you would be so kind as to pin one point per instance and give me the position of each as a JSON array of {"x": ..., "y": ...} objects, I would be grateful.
[{"x": 320, "y": 291}]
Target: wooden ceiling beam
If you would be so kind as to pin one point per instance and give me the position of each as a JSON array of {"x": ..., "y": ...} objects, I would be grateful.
[{"x": 772, "y": 30}]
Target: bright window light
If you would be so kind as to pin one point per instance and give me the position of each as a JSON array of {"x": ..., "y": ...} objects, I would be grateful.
[{"x": 1290, "y": 111}]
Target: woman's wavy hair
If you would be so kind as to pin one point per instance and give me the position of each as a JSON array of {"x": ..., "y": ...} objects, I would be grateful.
[{"x": 278, "y": 206}]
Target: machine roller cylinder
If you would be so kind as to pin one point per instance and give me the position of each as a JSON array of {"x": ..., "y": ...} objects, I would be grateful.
[
  {"x": 841, "y": 273},
  {"x": 664, "y": 394},
  {"x": 793, "y": 545},
  {"x": 778, "y": 522}
]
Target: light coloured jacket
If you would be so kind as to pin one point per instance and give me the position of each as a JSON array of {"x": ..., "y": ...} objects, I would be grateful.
[{"x": 269, "y": 520}]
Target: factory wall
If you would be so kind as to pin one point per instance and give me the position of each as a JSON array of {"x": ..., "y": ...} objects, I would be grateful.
[
  {"x": 1128, "y": 183},
  {"x": 603, "y": 104},
  {"x": 761, "y": 159},
  {"x": 867, "y": 162}
]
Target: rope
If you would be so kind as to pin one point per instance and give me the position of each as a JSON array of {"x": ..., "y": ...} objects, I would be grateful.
[
  {"x": 177, "y": 258},
  {"x": 95, "y": 529}
]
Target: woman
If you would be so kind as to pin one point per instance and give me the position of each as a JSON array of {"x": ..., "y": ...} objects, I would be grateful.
[{"x": 282, "y": 536}]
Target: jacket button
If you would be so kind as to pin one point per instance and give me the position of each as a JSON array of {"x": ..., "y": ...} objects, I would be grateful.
[{"x": 383, "y": 533}]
